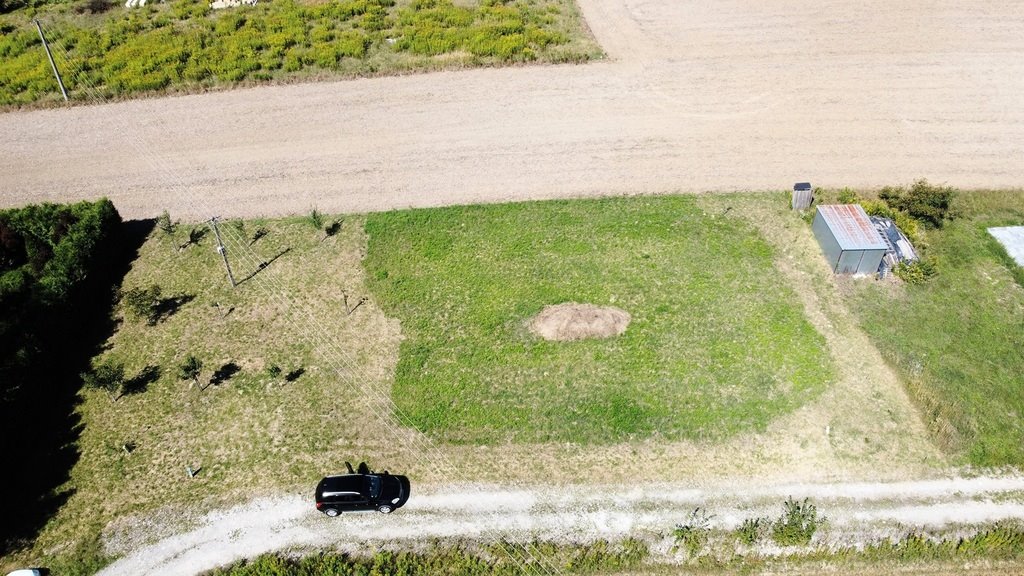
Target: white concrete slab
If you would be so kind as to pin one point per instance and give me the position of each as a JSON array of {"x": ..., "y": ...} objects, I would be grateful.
[{"x": 1012, "y": 238}]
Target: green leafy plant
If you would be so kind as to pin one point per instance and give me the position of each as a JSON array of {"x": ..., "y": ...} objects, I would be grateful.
[
  {"x": 927, "y": 202},
  {"x": 798, "y": 523},
  {"x": 274, "y": 371},
  {"x": 847, "y": 196},
  {"x": 752, "y": 530},
  {"x": 164, "y": 223},
  {"x": 190, "y": 369},
  {"x": 107, "y": 376},
  {"x": 144, "y": 302},
  {"x": 316, "y": 219},
  {"x": 692, "y": 535},
  {"x": 918, "y": 271}
]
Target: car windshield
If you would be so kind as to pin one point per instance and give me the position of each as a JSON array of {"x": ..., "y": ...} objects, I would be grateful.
[{"x": 375, "y": 485}]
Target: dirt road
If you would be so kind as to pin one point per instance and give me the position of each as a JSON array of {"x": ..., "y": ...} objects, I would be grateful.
[
  {"x": 695, "y": 96},
  {"x": 856, "y": 513}
]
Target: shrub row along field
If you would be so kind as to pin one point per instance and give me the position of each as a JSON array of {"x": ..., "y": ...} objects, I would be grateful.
[
  {"x": 185, "y": 45},
  {"x": 57, "y": 267},
  {"x": 715, "y": 346},
  {"x": 958, "y": 339}
]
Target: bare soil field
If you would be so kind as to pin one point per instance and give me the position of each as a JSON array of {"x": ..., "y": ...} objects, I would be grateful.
[{"x": 695, "y": 97}]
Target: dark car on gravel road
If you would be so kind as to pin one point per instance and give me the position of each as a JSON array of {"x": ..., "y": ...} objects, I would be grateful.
[{"x": 362, "y": 490}]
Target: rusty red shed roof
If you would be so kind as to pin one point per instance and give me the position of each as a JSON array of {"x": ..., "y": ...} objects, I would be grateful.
[{"x": 851, "y": 227}]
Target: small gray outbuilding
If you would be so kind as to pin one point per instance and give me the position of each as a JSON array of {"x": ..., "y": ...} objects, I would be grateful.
[{"x": 848, "y": 238}]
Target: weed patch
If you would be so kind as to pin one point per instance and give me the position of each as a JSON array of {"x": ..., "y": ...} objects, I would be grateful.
[{"x": 183, "y": 45}]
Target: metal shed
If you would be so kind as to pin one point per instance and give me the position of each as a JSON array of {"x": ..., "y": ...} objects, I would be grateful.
[{"x": 848, "y": 238}]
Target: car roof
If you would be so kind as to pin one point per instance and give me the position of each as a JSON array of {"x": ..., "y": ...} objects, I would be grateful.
[{"x": 344, "y": 483}]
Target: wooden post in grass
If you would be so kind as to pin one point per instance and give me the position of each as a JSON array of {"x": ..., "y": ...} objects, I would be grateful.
[
  {"x": 223, "y": 252},
  {"x": 52, "y": 63}
]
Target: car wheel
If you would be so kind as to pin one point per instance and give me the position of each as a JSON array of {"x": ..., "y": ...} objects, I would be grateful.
[
  {"x": 332, "y": 512},
  {"x": 385, "y": 508}
]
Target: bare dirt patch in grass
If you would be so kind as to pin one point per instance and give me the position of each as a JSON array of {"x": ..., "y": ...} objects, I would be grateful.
[{"x": 572, "y": 321}]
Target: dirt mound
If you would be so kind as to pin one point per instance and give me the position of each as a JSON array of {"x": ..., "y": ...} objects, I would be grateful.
[{"x": 572, "y": 321}]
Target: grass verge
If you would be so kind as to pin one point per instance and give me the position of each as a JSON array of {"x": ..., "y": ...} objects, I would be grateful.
[
  {"x": 107, "y": 51},
  {"x": 715, "y": 346},
  {"x": 958, "y": 340},
  {"x": 503, "y": 558}
]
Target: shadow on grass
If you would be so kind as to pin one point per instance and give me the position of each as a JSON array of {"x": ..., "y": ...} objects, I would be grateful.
[
  {"x": 264, "y": 265},
  {"x": 294, "y": 374},
  {"x": 195, "y": 236},
  {"x": 224, "y": 373},
  {"x": 141, "y": 381},
  {"x": 39, "y": 428},
  {"x": 167, "y": 307}
]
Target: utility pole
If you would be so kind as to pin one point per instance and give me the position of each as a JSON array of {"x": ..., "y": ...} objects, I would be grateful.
[
  {"x": 52, "y": 63},
  {"x": 223, "y": 252}
]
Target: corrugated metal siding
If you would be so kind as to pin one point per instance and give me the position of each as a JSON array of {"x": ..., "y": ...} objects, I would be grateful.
[
  {"x": 851, "y": 227},
  {"x": 870, "y": 260},
  {"x": 829, "y": 247}
]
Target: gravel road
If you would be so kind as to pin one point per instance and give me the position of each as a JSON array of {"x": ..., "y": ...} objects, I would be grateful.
[
  {"x": 695, "y": 96},
  {"x": 856, "y": 513}
]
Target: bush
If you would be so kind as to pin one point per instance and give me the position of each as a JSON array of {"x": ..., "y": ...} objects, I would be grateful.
[
  {"x": 917, "y": 272},
  {"x": 164, "y": 223},
  {"x": 107, "y": 376},
  {"x": 923, "y": 201},
  {"x": 847, "y": 196},
  {"x": 798, "y": 523},
  {"x": 143, "y": 302},
  {"x": 751, "y": 530}
]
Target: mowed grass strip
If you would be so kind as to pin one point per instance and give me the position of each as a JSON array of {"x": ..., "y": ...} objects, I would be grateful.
[
  {"x": 105, "y": 50},
  {"x": 717, "y": 344},
  {"x": 959, "y": 339}
]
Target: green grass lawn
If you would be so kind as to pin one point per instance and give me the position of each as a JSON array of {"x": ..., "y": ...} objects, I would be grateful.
[
  {"x": 959, "y": 339},
  {"x": 105, "y": 50},
  {"x": 717, "y": 343}
]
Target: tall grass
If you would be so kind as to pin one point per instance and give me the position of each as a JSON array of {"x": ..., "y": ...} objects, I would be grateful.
[
  {"x": 716, "y": 345},
  {"x": 185, "y": 46},
  {"x": 959, "y": 339}
]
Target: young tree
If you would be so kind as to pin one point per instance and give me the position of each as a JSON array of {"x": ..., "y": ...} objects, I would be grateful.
[
  {"x": 144, "y": 302},
  {"x": 164, "y": 223},
  {"x": 108, "y": 376},
  {"x": 190, "y": 369},
  {"x": 316, "y": 219}
]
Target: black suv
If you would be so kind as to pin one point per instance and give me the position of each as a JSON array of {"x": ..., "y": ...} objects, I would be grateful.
[{"x": 362, "y": 490}]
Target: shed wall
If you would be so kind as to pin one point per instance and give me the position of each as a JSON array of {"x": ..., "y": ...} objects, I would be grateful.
[
  {"x": 829, "y": 245},
  {"x": 870, "y": 261}
]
